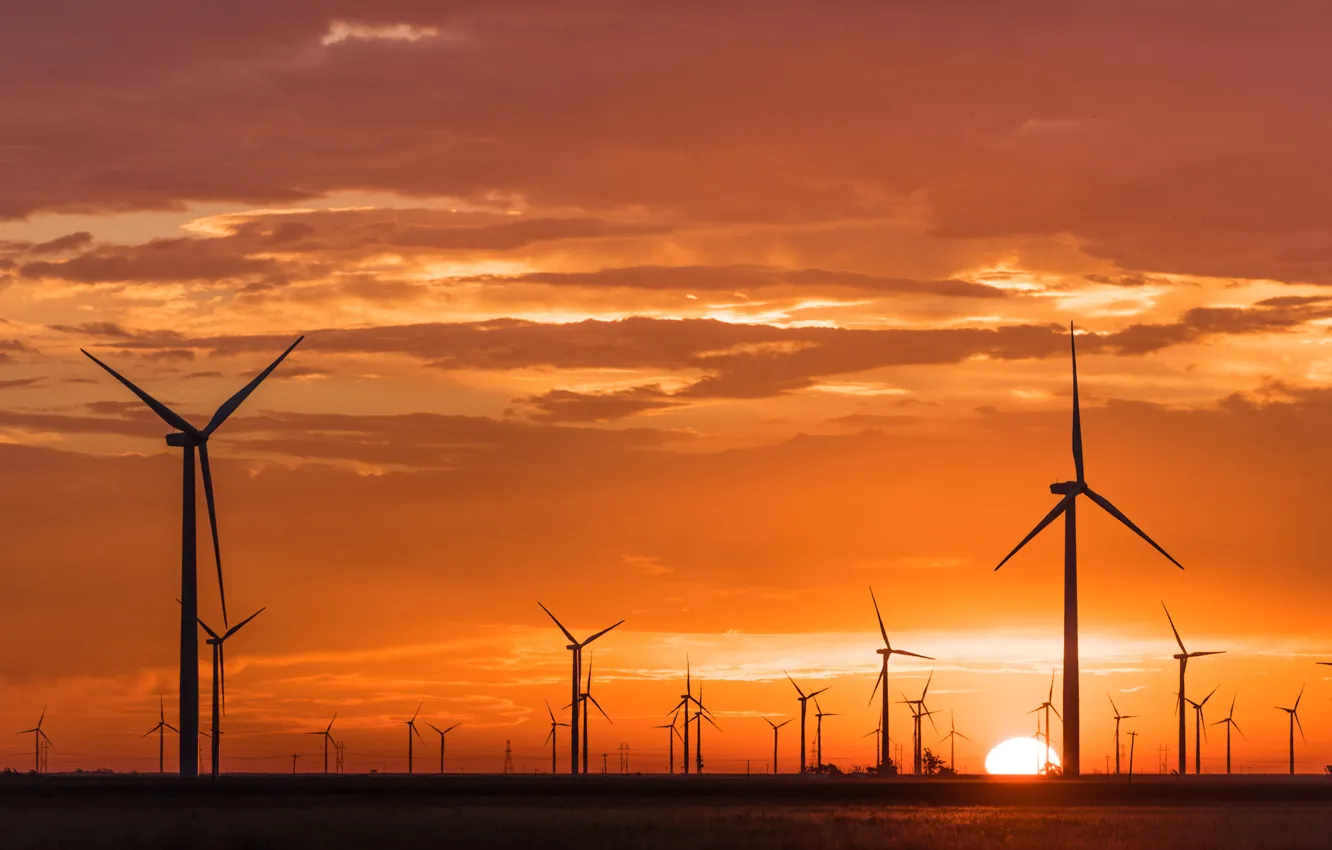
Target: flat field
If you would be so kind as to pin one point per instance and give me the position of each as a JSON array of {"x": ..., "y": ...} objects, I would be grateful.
[{"x": 233, "y": 815}]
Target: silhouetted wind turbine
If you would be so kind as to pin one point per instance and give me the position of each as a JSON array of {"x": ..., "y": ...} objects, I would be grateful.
[
  {"x": 819, "y": 714},
  {"x": 952, "y": 737},
  {"x": 577, "y": 649},
  {"x": 190, "y": 439},
  {"x": 803, "y": 699},
  {"x": 686, "y": 699},
  {"x": 1183, "y": 658},
  {"x": 412, "y": 730},
  {"x": 160, "y": 729},
  {"x": 1118, "y": 717},
  {"x": 700, "y": 714},
  {"x": 1229, "y": 721},
  {"x": 1199, "y": 730},
  {"x": 1047, "y": 707},
  {"x": 443, "y": 732},
  {"x": 220, "y": 677},
  {"x": 550, "y": 739},
  {"x": 37, "y": 737},
  {"x": 1294, "y": 713},
  {"x": 1070, "y": 490},
  {"x": 670, "y": 737},
  {"x": 775, "y": 727},
  {"x": 1133, "y": 740},
  {"x": 918, "y": 711},
  {"x": 887, "y": 652},
  {"x": 327, "y": 735},
  {"x": 878, "y": 752},
  {"x": 587, "y": 696}
]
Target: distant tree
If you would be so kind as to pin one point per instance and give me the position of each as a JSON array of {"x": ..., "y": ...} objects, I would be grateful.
[{"x": 930, "y": 764}]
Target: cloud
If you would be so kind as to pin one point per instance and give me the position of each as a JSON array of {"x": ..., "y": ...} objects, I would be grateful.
[
  {"x": 569, "y": 406},
  {"x": 739, "y": 278}
]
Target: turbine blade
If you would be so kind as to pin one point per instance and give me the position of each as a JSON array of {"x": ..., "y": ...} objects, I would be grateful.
[
  {"x": 927, "y": 686},
  {"x": 1113, "y": 706},
  {"x": 1117, "y": 514},
  {"x": 794, "y": 685},
  {"x": 1057, "y": 714},
  {"x": 1077, "y": 411},
  {"x": 451, "y": 728},
  {"x": 222, "y": 672},
  {"x": 167, "y": 415},
  {"x": 1209, "y": 696},
  {"x": 1178, "y": 639},
  {"x": 549, "y": 735},
  {"x": 1292, "y": 714},
  {"x": 558, "y": 623},
  {"x": 548, "y": 711},
  {"x": 1213, "y": 652},
  {"x": 436, "y": 728},
  {"x": 1297, "y": 699},
  {"x": 877, "y": 680},
  {"x": 1237, "y": 729},
  {"x": 713, "y": 722},
  {"x": 882, "y": 630},
  {"x": 784, "y": 722},
  {"x": 602, "y": 632},
  {"x": 1040, "y": 526},
  {"x": 230, "y": 405},
  {"x": 913, "y": 654},
  {"x": 418, "y": 709},
  {"x": 819, "y": 691},
  {"x": 242, "y": 623},
  {"x": 212, "y": 524},
  {"x": 593, "y": 700},
  {"x": 211, "y": 633},
  {"x": 963, "y": 737}
]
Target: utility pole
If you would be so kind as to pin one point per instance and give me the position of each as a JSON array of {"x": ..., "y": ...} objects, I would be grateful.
[
  {"x": 508, "y": 758},
  {"x": 294, "y": 756},
  {"x": 603, "y": 763},
  {"x": 339, "y": 756}
]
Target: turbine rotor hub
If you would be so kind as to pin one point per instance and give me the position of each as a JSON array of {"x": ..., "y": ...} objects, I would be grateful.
[
  {"x": 181, "y": 440},
  {"x": 1067, "y": 488}
]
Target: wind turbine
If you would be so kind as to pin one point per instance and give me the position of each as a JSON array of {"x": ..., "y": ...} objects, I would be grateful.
[
  {"x": 1047, "y": 707},
  {"x": 919, "y": 711},
  {"x": 577, "y": 649},
  {"x": 37, "y": 737},
  {"x": 586, "y": 697},
  {"x": 700, "y": 714},
  {"x": 1183, "y": 657},
  {"x": 803, "y": 699},
  {"x": 550, "y": 739},
  {"x": 1294, "y": 713},
  {"x": 686, "y": 699},
  {"x": 412, "y": 730},
  {"x": 443, "y": 732},
  {"x": 1199, "y": 730},
  {"x": 1133, "y": 740},
  {"x": 1118, "y": 717},
  {"x": 876, "y": 732},
  {"x": 670, "y": 737},
  {"x": 220, "y": 677},
  {"x": 1229, "y": 721},
  {"x": 160, "y": 729},
  {"x": 952, "y": 737},
  {"x": 819, "y": 714},
  {"x": 887, "y": 652},
  {"x": 327, "y": 734},
  {"x": 775, "y": 727},
  {"x": 1070, "y": 490},
  {"x": 189, "y": 439}
]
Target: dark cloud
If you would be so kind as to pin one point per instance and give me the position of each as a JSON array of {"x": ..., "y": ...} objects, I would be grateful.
[
  {"x": 569, "y": 406},
  {"x": 732, "y": 278},
  {"x": 68, "y": 242},
  {"x": 22, "y": 383}
]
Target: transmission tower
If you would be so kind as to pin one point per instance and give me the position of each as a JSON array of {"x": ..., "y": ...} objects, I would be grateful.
[
  {"x": 508, "y": 758},
  {"x": 624, "y": 759},
  {"x": 339, "y": 756}
]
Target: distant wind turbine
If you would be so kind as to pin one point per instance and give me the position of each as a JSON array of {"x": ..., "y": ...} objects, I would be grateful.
[
  {"x": 37, "y": 737},
  {"x": 1294, "y": 712},
  {"x": 577, "y": 649},
  {"x": 671, "y": 735},
  {"x": 951, "y": 738},
  {"x": 1229, "y": 721},
  {"x": 190, "y": 439},
  {"x": 1199, "y": 730},
  {"x": 1133, "y": 740},
  {"x": 587, "y": 697},
  {"x": 220, "y": 678},
  {"x": 919, "y": 711},
  {"x": 1183, "y": 657},
  {"x": 878, "y": 751},
  {"x": 327, "y": 734},
  {"x": 700, "y": 714},
  {"x": 819, "y": 714},
  {"x": 443, "y": 732},
  {"x": 412, "y": 730},
  {"x": 1070, "y": 490},
  {"x": 1047, "y": 707},
  {"x": 1118, "y": 717},
  {"x": 686, "y": 699},
  {"x": 775, "y": 727},
  {"x": 886, "y": 652},
  {"x": 803, "y": 699},
  {"x": 160, "y": 729},
  {"x": 550, "y": 739}
]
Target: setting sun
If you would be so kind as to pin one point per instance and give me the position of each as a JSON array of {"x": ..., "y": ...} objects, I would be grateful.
[{"x": 1018, "y": 756}]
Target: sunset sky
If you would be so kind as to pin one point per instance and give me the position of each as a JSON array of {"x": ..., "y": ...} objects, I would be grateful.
[{"x": 702, "y": 315}]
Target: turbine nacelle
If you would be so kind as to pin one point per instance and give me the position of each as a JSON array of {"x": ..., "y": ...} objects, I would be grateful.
[
  {"x": 184, "y": 441},
  {"x": 1068, "y": 488}
]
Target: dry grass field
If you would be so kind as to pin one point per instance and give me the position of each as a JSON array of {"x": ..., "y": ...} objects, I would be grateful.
[{"x": 320, "y": 822}]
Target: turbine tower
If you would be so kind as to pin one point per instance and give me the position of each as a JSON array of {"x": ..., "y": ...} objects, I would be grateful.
[
  {"x": 1070, "y": 490},
  {"x": 1183, "y": 657},
  {"x": 160, "y": 729},
  {"x": 220, "y": 678},
  {"x": 775, "y": 727},
  {"x": 671, "y": 735},
  {"x": 586, "y": 696},
  {"x": 191, "y": 439},
  {"x": 919, "y": 711},
  {"x": 819, "y": 714},
  {"x": 951, "y": 738},
  {"x": 1047, "y": 707},
  {"x": 1199, "y": 731},
  {"x": 37, "y": 737},
  {"x": 701, "y": 713},
  {"x": 577, "y": 649},
  {"x": 887, "y": 651},
  {"x": 1293, "y": 712},
  {"x": 550, "y": 739},
  {"x": 1229, "y": 721},
  {"x": 443, "y": 732},
  {"x": 803, "y": 699},
  {"x": 327, "y": 734},
  {"x": 1118, "y": 717},
  {"x": 412, "y": 730}
]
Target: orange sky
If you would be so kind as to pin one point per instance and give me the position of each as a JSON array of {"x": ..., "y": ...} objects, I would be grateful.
[{"x": 706, "y": 316}]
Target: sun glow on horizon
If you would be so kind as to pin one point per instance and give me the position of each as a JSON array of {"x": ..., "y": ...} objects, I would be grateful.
[{"x": 1019, "y": 757}]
